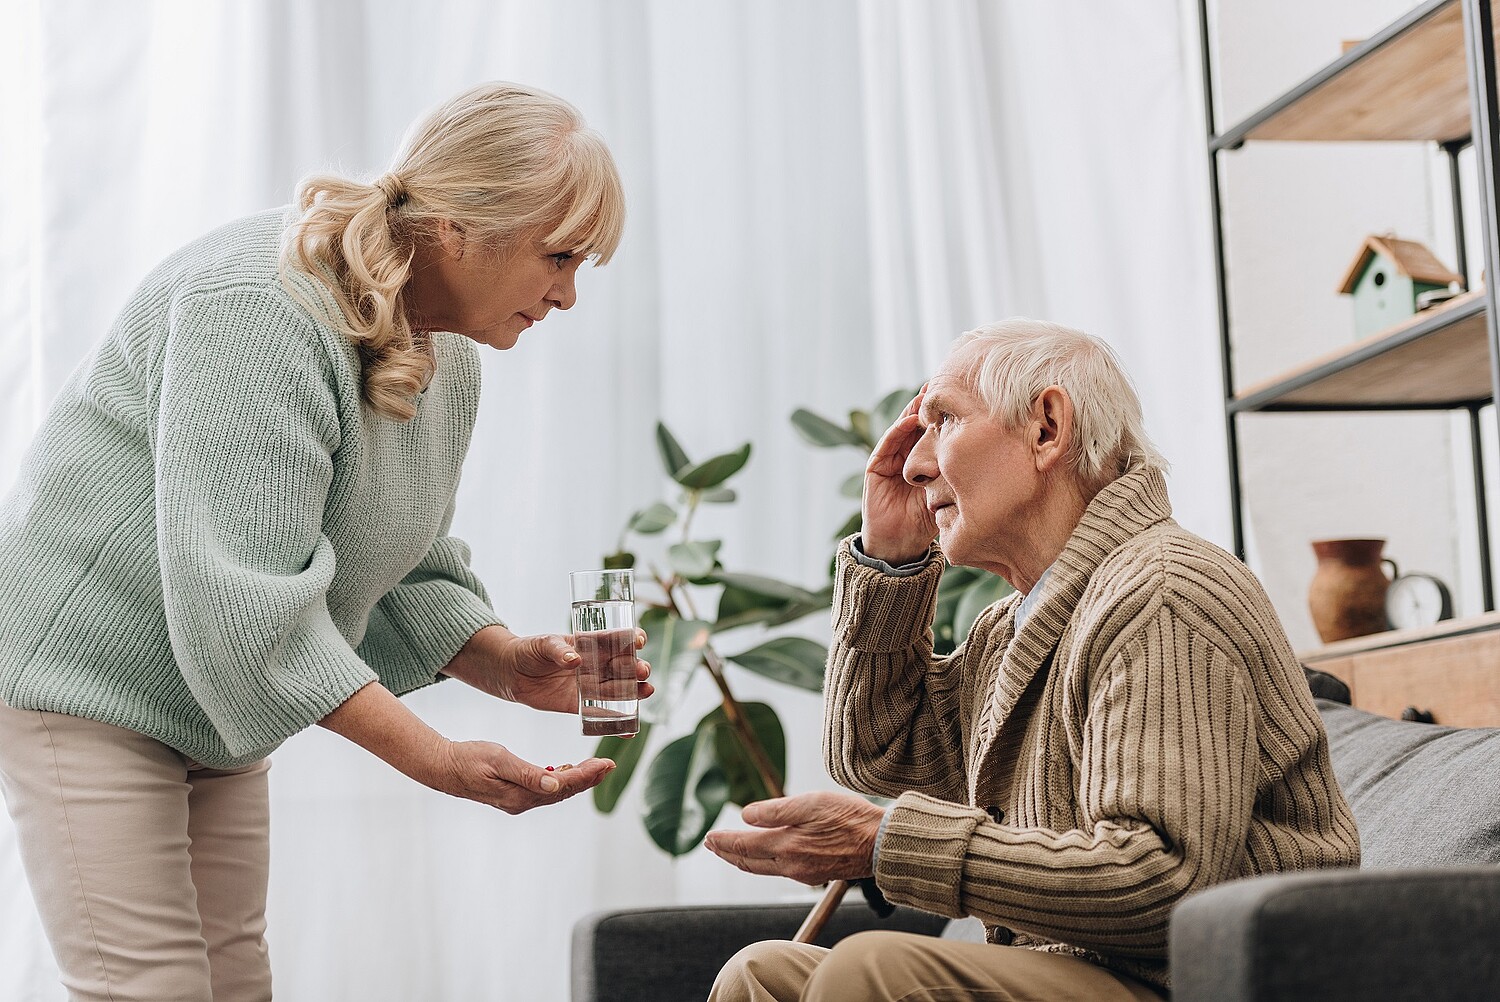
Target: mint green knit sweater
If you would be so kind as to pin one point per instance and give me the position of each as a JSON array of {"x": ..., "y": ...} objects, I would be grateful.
[{"x": 212, "y": 541}]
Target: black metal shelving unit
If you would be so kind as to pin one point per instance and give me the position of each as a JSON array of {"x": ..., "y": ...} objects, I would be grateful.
[{"x": 1410, "y": 81}]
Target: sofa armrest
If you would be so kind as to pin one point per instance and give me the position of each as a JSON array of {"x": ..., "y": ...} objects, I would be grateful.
[
  {"x": 674, "y": 953},
  {"x": 1337, "y": 935}
]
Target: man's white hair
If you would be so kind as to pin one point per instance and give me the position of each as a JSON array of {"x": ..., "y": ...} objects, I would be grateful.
[{"x": 1010, "y": 363}]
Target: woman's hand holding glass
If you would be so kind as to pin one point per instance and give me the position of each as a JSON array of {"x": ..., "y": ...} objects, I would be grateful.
[{"x": 538, "y": 671}]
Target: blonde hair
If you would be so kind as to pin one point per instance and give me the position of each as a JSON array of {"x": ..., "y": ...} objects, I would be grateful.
[
  {"x": 503, "y": 163},
  {"x": 1014, "y": 360}
]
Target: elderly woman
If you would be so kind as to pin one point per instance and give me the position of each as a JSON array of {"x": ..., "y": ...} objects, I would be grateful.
[
  {"x": 1129, "y": 727},
  {"x": 234, "y": 522}
]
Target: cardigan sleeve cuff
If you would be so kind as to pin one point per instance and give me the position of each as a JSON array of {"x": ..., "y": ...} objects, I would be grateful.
[
  {"x": 920, "y": 857},
  {"x": 880, "y": 613}
]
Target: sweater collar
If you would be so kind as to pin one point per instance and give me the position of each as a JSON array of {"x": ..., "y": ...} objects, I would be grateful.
[
  {"x": 1124, "y": 509},
  {"x": 1121, "y": 511}
]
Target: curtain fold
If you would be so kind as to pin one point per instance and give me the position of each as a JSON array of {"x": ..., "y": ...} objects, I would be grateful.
[{"x": 821, "y": 195}]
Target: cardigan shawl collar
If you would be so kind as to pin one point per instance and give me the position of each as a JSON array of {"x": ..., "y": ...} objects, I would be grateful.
[{"x": 1122, "y": 510}]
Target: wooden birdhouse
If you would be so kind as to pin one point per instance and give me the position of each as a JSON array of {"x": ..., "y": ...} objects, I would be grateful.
[{"x": 1386, "y": 278}]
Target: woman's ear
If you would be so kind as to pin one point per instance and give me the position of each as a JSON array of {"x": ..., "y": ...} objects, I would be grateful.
[
  {"x": 1051, "y": 427},
  {"x": 450, "y": 237}
]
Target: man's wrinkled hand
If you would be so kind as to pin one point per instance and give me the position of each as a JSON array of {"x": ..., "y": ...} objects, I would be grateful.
[
  {"x": 812, "y": 838},
  {"x": 896, "y": 525}
]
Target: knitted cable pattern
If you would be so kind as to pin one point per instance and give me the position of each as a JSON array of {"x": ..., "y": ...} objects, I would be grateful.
[
  {"x": 1147, "y": 734},
  {"x": 212, "y": 541}
]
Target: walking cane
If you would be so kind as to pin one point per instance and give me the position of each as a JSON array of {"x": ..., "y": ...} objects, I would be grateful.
[{"x": 822, "y": 912}]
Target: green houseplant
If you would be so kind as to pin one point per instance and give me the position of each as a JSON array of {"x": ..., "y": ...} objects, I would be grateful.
[{"x": 736, "y": 753}]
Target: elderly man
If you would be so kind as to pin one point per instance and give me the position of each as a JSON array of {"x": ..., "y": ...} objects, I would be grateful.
[{"x": 1129, "y": 727}]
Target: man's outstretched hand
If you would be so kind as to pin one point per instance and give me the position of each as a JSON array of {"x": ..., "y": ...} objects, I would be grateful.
[{"x": 812, "y": 837}]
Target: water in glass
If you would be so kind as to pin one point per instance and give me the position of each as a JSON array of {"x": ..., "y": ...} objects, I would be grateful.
[{"x": 604, "y": 636}]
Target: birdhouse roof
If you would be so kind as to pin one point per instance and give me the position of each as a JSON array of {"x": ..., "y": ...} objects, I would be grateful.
[{"x": 1410, "y": 258}]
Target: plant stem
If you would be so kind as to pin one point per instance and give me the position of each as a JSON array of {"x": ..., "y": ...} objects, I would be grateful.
[
  {"x": 736, "y": 718},
  {"x": 733, "y": 712},
  {"x": 694, "y": 496}
]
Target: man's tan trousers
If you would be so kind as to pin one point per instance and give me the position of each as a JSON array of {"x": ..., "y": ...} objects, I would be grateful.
[
  {"x": 149, "y": 870},
  {"x": 890, "y": 966}
]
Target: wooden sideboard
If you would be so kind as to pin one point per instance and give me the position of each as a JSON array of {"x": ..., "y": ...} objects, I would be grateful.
[{"x": 1452, "y": 670}]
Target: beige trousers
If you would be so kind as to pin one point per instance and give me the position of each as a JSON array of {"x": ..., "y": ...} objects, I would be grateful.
[
  {"x": 149, "y": 870},
  {"x": 885, "y": 966}
]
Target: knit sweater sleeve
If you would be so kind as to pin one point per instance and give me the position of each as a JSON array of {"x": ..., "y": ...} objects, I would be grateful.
[
  {"x": 891, "y": 708},
  {"x": 1166, "y": 786},
  {"x": 418, "y": 626},
  {"x": 246, "y": 427}
]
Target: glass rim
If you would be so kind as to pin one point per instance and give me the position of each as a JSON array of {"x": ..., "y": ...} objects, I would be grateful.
[
  {"x": 613, "y": 584},
  {"x": 605, "y": 572}
]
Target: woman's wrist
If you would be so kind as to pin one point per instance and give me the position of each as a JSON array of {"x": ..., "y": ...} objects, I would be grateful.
[
  {"x": 478, "y": 661},
  {"x": 378, "y": 722}
]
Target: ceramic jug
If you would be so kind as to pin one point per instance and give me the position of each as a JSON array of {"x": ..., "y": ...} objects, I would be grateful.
[{"x": 1347, "y": 595}]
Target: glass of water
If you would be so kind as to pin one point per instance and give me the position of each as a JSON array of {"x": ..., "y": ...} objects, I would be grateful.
[{"x": 604, "y": 636}]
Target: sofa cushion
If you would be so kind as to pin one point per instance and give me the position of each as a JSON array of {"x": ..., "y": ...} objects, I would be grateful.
[{"x": 1422, "y": 794}]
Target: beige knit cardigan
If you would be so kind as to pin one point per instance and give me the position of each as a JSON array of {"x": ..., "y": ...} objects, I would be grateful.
[{"x": 1147, "y": 734}]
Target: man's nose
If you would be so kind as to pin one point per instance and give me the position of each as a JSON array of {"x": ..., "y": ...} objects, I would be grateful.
[{"x": 921, "y": 463}]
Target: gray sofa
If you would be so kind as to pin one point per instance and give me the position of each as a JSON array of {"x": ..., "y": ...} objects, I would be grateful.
[{"x": 1419, "y": 920}]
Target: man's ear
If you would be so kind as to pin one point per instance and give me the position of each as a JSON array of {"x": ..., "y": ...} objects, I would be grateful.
[{"x": 1051, "y": 428}]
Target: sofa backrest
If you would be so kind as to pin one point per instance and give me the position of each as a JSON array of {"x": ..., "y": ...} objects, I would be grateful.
[{"x": 1422, "y": 794}]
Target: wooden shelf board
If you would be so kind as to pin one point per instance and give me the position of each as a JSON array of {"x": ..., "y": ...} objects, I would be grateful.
[
  {"x": 1448, "y": 366},
  {"x": 1399, "y": 638},
  {"x": 1451, "y": 669},
  {"x": 1408, "y": 82}
]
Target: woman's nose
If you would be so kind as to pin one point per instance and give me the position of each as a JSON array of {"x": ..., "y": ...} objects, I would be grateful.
[{"x": 565, "y": 293}]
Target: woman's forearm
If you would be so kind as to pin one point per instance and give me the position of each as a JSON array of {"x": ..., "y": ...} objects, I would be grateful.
[{"x": 378, "y": 722}]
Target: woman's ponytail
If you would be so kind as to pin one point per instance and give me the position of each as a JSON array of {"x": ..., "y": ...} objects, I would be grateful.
[{"x": 350, "y": 238}]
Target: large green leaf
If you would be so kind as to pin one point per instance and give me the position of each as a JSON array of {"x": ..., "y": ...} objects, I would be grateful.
[
  {"x": 713, "y": 472},
  {"x": 738, "y": 607},
  {"x": 674, "y": 648},
  {"x": 627, "y": 755},
  {"x": 653, "y": 519},
  {"x": 793, "y": 660},
  {"x": 686, "y": 788},
  {"x": 889, "y": 409},
  {"x": 822, "y": 432},
  {"x": 821, "y": 601},
  {"x": 745, "y": 783},
  {"x": 974, "y": 600},
  {"x": 859, "y": 423},
  {"x": 851, "y": 525},
  {"x": 854, "y": 486},
  {"x": 955, "y": 582},
  {"x": 619, "y": 561},
  {"x": 673, "y": 458},
  {"x": 694, "y": 558},
  {"x": 766, "y": 587}
]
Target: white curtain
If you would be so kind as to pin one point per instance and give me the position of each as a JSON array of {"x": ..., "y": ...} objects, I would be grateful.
[{"x": 822, "y": 195}]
